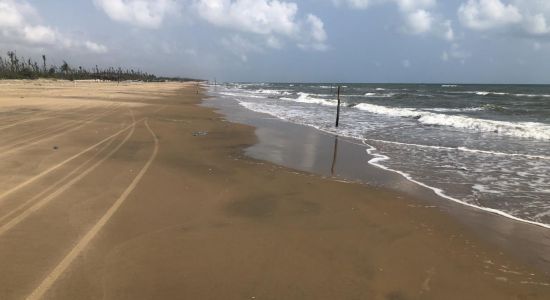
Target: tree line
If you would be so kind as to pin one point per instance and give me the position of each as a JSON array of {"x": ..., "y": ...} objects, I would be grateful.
[{"x": 15, "y": 67}]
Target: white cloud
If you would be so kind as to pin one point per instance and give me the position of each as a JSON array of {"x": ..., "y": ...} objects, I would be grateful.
[
  {"x": 527, "y": 17},
  {"x": 488, "y": 14},
  {"x": 142, "y": 13},
  {"x": 403, "y": 5},
  {"x": 447, "y": 31},
  {"x": 11, "y": 13},
  {"x": 455, "y": 53},
  {"x": 418, "y": 16},
  {"x": 18, "y": 26},
  {"x": 274, "y": 42},
  {"x": 412, "y": 5},
  {"x": 190, "y": 52},
  {"x": 240, "y": 46},
  {"x": 536, "y": 16},
  {"x": 317, "y": 28},
  {"x": 419, "y": 21},
  {"x": 357, "y": 4},
  {"x": 406, "y": 63},
  {"x": 315, "y": 36},
  {"x": 39, "y": 34},
  {"x": 244, "y": 45},
  {"x": 95, "y": 47},
  {"x": 271, "y": 18},
  {"x": 537, "y": 25},
  {"x": 256, "y": 16}
]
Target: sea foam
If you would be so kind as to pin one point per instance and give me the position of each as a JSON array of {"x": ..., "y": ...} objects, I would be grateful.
[
  {"x": 309, "y": 98},
  {"x": 533, "y": 130}
]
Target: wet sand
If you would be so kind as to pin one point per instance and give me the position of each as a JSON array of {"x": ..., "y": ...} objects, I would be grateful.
[
  {"x": 134, "y": 191},
  {"x": 308, "y": 149}
]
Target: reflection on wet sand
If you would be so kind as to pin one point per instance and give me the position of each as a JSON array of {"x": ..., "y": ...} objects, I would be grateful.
[
  {"x": 334, "y": 156},
  {"x": 307, "y": 149}
]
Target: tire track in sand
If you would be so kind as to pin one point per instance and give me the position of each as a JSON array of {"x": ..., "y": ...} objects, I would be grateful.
[
  {"x": 53, "y": 168},
  {"x": 31, "y": 118},
  {"x": 7, "y": 118},
  {"x": 44, "y": 131},
  {"x": 13, "y": 114},
  {"x": 26, "y": 121},
  {"x": 21, "y": 138},
  {"x": 52, "y": 277},
  {"x": 21, "y": 206},
  {"x": 24, "y": 144},
  {"x": 36, "y": 206}
]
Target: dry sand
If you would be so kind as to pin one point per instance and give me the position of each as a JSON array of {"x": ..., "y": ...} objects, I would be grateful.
[{"x": 112, "y": 191}]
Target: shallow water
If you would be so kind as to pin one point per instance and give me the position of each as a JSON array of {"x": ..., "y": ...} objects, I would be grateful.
[{"x": 484, "y": 145}]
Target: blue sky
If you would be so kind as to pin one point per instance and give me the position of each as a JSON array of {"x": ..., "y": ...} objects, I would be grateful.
[{"x": 474, "y": 41}]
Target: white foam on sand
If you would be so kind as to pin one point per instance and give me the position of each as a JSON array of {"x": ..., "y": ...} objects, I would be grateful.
[
  {"x": 377, "y": 158},
  {"x": 297, "y": 116}
]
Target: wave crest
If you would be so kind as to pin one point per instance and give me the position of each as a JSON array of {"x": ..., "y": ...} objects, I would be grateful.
[
  {"x": 308, "y": 98},
  {"x": 532, "y": 130}
]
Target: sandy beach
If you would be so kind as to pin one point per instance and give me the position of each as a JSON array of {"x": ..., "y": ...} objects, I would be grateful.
[{"x": 135, "y": 191}]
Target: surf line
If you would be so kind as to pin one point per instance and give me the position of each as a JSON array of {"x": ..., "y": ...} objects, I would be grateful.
[
  {"x": 49, "y": 281},
  {"x": 531, "y": 156},
  {"x": 380, "y": 157}
]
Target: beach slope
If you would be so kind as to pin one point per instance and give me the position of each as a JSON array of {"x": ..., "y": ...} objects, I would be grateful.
[{"x": 133, "y": 191}]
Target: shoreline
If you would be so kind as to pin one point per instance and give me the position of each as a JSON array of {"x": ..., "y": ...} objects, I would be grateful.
[
  {"x": 440, "y": 193},
  {"x": 531, "y": 235},
  {"x": 512, "y": 179},
  {"x": 206, "y": 221}
]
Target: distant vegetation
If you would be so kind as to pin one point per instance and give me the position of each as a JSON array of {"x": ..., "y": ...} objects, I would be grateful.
[{"x": 14, "y": 67}]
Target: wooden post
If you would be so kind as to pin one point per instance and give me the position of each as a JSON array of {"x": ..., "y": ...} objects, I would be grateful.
[{"x": 338, "y": 108}]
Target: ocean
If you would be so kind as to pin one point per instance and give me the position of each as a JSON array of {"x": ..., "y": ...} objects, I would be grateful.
[{"x": 486, "y": 146}]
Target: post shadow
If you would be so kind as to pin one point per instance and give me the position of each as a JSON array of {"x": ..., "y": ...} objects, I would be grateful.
[{"x": 334, "y": 155}]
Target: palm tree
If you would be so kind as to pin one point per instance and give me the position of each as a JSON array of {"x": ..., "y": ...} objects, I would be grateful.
[
  {"x": 65, "y": 68},
  {"x": 14, "y": 67},
  {"x": 11, "y": 55},
  {"x": 44, "y": 63}
]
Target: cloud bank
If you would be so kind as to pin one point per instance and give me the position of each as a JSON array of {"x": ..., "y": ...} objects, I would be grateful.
[
  {"x": 527, "y": 17},
  {"x": 418, "y": 16},
  {"x": 18, "y": 27},
  {"x": 142, "y": 13},
  {"x": 270, "y": 18},
  {"x": 273, "y": 20}
]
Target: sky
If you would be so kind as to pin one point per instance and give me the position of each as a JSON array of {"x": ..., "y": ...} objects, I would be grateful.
[{"x": 412, "y": 41}]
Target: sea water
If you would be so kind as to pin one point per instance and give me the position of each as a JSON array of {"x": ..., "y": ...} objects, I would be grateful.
[{"x": 482, "y": 145}]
